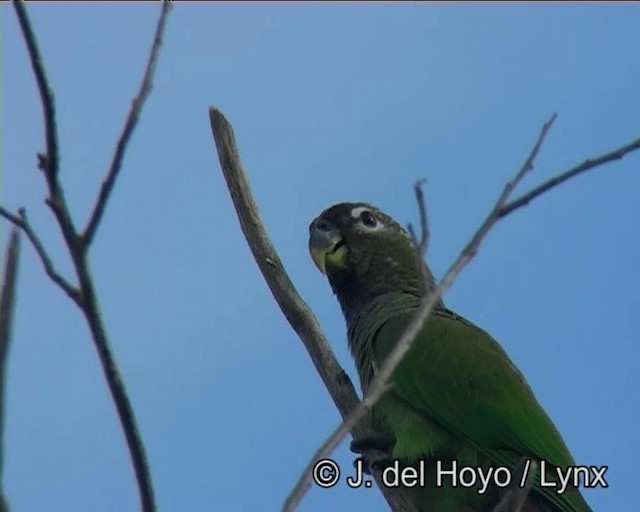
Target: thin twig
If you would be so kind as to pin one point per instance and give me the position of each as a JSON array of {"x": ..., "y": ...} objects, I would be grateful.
[
  {"x": 85, "y": 296},
  {"x": 51, "y": 162},
  {"x": 526, "y": 167},
  {"x": 423, "y": 242},
  {"x": 129, "y": 126},
  {"x": 379, "y": 384},
  {"x": 296, "y": 311},
  {"x": 7, "y": 307},
  {"x": 616, "y": 154},
  {"x": 21, "y": 221}
]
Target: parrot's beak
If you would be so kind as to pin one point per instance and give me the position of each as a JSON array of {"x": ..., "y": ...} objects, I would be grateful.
[{"x": 327, "y": 246}]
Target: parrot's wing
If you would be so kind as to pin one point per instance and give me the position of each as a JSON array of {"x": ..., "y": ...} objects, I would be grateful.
[{"x": 460, "y": 377}]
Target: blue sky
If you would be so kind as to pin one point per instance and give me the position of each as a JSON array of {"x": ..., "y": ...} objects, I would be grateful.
[{"x": 329, "y": 103}]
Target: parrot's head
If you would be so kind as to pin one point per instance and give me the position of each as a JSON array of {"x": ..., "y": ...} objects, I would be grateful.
[{"x": 363, "y": 251}]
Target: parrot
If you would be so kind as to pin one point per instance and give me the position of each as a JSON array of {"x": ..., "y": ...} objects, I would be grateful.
[{"x": 456, "y": 397}]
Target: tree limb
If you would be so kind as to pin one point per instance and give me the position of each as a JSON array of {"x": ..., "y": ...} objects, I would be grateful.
[
  {"x": 7, "y": 307},
  {"x": 302, "y": 320},
  {"x": 85, "y": 296},
  {"x": 50, "y": 162}
]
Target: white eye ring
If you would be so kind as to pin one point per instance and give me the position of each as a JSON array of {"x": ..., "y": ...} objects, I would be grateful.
[{"x": 366, "y": 218}]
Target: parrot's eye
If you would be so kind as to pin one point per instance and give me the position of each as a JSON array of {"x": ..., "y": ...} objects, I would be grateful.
[
  {"x": 368, "y": 219},
  {"x": 322, "y": 225}
]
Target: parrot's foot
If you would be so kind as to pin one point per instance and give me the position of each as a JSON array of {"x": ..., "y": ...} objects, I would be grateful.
[
  {"x": 366, "y": 444},
  {"x": 372, "y": 462},
  {"x": 375, "y": 452}
]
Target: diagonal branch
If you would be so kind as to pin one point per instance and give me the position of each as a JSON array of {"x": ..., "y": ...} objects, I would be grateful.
[
  {"x": 21, "y": 221},
  {"x": 302, "y": 320},
  {"x": 130, "y": 124},
  {"x": 270, "y": 265}
]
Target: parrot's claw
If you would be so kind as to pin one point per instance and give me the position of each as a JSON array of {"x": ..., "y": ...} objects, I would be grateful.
[
  {"x": 365, "y": 444},
  {"x": 374, "y": 451},
  {"x": 377, "y": 464}
]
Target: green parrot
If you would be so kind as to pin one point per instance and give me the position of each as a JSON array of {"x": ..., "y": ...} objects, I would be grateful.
[{"x": 456, "y": 397}]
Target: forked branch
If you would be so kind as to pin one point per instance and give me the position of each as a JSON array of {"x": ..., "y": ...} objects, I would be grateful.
[{"x": 84, "y": 294}]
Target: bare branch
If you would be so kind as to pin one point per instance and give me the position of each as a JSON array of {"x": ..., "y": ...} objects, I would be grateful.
[
  {"x": 118, "y": 391},
  {"x": 526, "y": 167},
  {"x": 21, "y": 221},
  {"x": 7, "y": 306},
  {"x": 616, "y": 154},
  {"x": 293, "y": 307},
  {"x": 85, "y": 296},
  {"x": 129, "y": 126},
  {"x": 49, "y": 162},
  {"x": 422, "y": 243}
]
